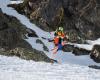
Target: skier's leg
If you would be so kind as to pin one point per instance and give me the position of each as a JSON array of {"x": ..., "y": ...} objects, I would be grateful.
[
  {"x": 59, "y": 58},
  {"x": 54, "y": 54},
  {"x": 56, "y": 45},
  {"x": 55, "y": 50}
]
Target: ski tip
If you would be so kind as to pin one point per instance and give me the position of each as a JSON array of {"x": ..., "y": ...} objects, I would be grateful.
[{"x": 54, "y": 61}]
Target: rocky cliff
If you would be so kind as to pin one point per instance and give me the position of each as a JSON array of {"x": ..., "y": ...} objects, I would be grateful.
[
  {"x": 12, "y": 40},
  {"x": 80, "y": 18}
]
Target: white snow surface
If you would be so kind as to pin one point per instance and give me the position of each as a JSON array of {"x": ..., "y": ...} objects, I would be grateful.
[
  {"x": 13, "y": 68},
  {"x": 16, "y": 2},
  {"x": 90, "y": 44},
  {"x": 72, "y": 67}
]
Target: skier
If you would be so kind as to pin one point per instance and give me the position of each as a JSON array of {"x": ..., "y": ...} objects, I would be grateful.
[{"x": 59, "y": 40}]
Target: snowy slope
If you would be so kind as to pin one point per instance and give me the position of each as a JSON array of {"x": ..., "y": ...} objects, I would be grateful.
[
  {"x": 72, "y": 68},
  {"x": 64, "y": 56},
  {"x": 13, "y": 68}
]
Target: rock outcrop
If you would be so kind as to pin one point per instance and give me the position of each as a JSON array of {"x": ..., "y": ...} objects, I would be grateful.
[
  {"x": 95, "y": 53},
  {"x": 94, "y": 67},
  {"x": 80, "y": 51},
  {"x": 80, "y": 18},
  {"x": 12, "y": 43},
  {"x": 11, "y": 31},
  {"x": 31, "y": 33},
  {"x": 68, "y": 48}
]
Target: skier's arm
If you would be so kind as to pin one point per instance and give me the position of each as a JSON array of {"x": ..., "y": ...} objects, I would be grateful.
[{"x": 50, "y": 40}]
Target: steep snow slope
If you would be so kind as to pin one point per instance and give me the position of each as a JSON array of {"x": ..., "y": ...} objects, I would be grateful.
[
  {"x": 64, "y": 56},
  {"x": 13, "y": 68}
]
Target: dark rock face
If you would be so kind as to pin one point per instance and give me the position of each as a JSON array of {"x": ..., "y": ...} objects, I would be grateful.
[
  {"x": 11, "y": 31},
  {"x": 26, "y": 54},
  {"x": 68, "y": 48},
  {"x": 95, "y": 67},
  {"x": 95, "y": 53},
  {"x": 80, "y": 51},
  {"x": 12, "y": 41},
  {"x": 31, "y": 33},
  {"x": 80, "y": 17},
  {"x": 29, "y": 54}
]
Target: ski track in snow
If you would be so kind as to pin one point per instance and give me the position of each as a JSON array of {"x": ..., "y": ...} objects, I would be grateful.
[{"x": 18, "y": 69}]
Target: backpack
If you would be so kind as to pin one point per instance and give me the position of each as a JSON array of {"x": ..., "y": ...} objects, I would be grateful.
[{"x": 56, "y": 40}]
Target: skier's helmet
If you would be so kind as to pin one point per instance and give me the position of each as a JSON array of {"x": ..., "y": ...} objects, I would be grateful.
[{"x": 60, "y": 29}]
